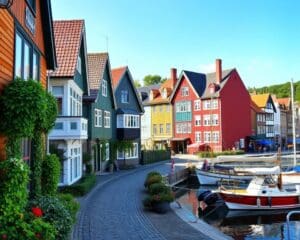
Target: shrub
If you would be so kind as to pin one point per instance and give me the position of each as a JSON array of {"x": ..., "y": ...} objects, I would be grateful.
[
  {"x": 82, "y": 187},
  {"x": 150, "y": 200},
  {"x": 50, "y": 175},
  {"x": 70, "y": 203},
  {"x": 157, "y": 188},
  {"x": 152, "y": 179},
  {"x": 55, "y": 213},
  {"x": 150, "y": 175}
]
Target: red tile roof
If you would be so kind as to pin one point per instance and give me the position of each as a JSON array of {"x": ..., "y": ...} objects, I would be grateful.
[
  {"x": 157, "y": 98},
  {"x": 117, "y": 73},
  {"x": 67, "y": 34},
  {"x": 96, "y": 66},
  {"x": 284, "y": 102}
]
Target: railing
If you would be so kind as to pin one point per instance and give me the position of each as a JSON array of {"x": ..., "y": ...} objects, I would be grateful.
[
  {"x": 69, "y": 128},
  {"x": 288, "y": 222},
  {"x": 176, "y": 177}
]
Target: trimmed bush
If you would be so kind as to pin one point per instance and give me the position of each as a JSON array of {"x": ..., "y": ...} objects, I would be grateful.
[
  {"x": 50, "y": 175},
  {"x": 157, "y": 188},
  {"x": 152, "y": 179},
  {"x": 70, "y": 203},
  {"x": 82, "y": 187},
  {"x": 55, "y": 213}
]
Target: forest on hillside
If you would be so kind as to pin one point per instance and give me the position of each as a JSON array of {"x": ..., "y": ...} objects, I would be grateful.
[{"x": 280, "y": 90}]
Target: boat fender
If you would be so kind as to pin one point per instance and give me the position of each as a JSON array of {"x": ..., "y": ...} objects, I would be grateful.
[
  {"x": 258, "y": 203},
  {"x": 211, "y": 198},
  {"x": 202, "y": 194},
  {"x": 270, "y": 201}
]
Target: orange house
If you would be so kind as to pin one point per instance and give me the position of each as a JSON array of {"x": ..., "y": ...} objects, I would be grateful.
[{"x": 27, "y": 47}]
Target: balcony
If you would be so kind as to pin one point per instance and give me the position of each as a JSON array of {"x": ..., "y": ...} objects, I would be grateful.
[
  {"x": 128, "y": 133},
  {"x": 69, "y": 128},
  {"x": 269, "y": 122}
]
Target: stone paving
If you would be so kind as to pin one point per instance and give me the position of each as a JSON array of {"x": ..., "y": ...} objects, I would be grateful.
[{"x": 114, "y": 210}]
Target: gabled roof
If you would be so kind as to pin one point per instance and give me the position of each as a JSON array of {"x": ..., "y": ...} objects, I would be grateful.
[
  {"x": 68, "y": 36},
  {"x": 260, "y": 99},
  {"x": 96, "y": 67},
  {"x": 49, "y": 42},
  {"x": 255, "y": 107},
  {"x": 145, "y": 93},
  {"x": 168, "y": 85},
  {"x": 284, "y": 103},
  {"x": 117, "y": 76},
  {"x": 200, "y": 82}
]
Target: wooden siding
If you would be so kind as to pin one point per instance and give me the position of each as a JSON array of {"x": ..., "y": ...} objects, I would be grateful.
[{"x": 6, "y": 48}]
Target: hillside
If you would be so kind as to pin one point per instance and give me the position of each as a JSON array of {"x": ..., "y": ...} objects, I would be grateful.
[{"x": 280, "y": 90}]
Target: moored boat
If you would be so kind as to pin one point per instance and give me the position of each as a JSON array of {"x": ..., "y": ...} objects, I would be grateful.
[{"x": 263, "y": 193}]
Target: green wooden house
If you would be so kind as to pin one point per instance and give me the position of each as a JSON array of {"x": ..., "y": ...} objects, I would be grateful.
[{"x": 99, "y": 108}]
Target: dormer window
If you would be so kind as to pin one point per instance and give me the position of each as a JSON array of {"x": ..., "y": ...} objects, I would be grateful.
[
  {"x": 184, "y": 91},
  {"x": 164, "y": 93},
  {"x": 78, "y": 66},
  {"x": 124, "y": 96}
]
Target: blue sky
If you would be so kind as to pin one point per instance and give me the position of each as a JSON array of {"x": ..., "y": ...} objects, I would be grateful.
[{"x": 261, "y": 38}]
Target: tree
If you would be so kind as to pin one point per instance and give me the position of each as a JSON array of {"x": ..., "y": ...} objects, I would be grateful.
[
  {"x": 137, "y": 83},
  {"x": 152, "y": 79}
]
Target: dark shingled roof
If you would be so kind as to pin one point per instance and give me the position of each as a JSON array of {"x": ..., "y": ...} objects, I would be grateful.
[{"x": 145, "y": 92}]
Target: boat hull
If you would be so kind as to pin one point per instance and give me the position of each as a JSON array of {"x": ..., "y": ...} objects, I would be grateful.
[
  {"x": 211, "y": 178},
  {"x": 240, "y": 202}
]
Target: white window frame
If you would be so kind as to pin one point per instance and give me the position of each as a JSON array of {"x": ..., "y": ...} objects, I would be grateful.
[
  {"x": 206, "y": 104},
  {"x": 198, "y": 137},
  {"x": 106, "y": 119},
  {"x": 197, "y": 105},
  {"x": 184, "y": 91},
  {"x": 124, "y": 96},
  {"x": 128, "y": 121},
  {"x": 104, "y": 87},
  {"x": 206, "y": 120},
  {"x": 184, "y": 106},
  {"x": 215, "y": 119},
  {"x": 98, "y": 117},
  {"x": 215, "y": 137},
  {"x": 197, "y": 120},
  {"x": 183, "y": 127},
  {"x": 75, "y": 101},
  {"x": 130, "y": 153},
  {"x": 168, "y": 128},
  {"x": 207, "y": 137},
  {"x": 161, "y": 129},
  {"x": 214, "y": 104}
]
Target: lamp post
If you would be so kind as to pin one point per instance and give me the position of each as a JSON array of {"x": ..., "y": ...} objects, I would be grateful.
[{"x": 6, "y": 4}]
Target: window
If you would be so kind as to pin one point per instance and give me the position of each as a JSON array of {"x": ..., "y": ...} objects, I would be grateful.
[
  {"x": 184, "y": 106},
  {"x": 184, "y": 91},
  {"x": 75, "y": 163},
  {"x": 161, "y": 128},
  {"x": 128, "y": 121},
  {"x": 78, "y": 66},
  {"x": 214, "y": 104},
  {"x": 167, "y": 108},
  {"x": 160, "y": 108},
  {"x": 106, "y": 151},
  {"x": 124, "y": 96},
  {"x": 197, "y": 120},
  {"x": 183, "y": 127},
  {"x": 154, "y": 129},
  {"x": 75, "y": 103},
  {"x": 206, "y": 120},
  {"x": 215, "y": 136},
  {"x": 130, "y": 153},
  {"x": 27, "y": 59},
  {"x": 168, "y": 128},
  {"x": 106, "y": 119},
  {"x": 58, "y": 126},
  {"x": 58, "y": 92},
  {"x": 31, "y": 4},
  {"x": 104, "y": 88},
  {"x": 215, "y": 119},
  {"x": 206, "y": 137},
  {"x": 197, "y": 105},
  {"x": 206, "y": 104},
  {"x": 73, "y": 125},
  {"x": 98, "y": 118},
  {"x": 198, "y": 136}
]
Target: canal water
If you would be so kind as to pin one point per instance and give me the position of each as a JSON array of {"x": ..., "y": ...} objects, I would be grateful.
[{"x": 246, "y": 225}]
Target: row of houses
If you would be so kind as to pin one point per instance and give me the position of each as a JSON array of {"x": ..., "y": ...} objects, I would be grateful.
[
  {"x": 193, "y": 112},
  {"x": 98, "y": 107}
]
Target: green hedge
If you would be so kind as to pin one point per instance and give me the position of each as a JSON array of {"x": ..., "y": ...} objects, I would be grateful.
[
  {"x": 215, "y": 154},
  {"x": 151, "y": 156},
  {"x": 82, "y": 187}
]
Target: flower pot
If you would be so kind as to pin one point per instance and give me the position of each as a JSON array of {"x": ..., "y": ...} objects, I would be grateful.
[{"x": 161, "y": 207}]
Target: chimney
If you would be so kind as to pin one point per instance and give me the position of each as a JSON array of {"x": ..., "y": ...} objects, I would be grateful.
[
  {"x": 174, "y": 76},
  {"x": 218, "y": 71}
]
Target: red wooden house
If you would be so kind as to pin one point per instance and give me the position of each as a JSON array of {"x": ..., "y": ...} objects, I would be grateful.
[
  {"x": 27, "y": 47},
  {"x": 211, "y": 111}
]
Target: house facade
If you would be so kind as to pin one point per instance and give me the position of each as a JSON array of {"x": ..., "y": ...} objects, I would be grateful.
[
  {"x": 162, "y": 113},
  {"x": 128, "y": 115},
  {"x": 146, "y": 139},
  {"x": 203, "y": 105},
  {"x": 99, "y": 108},
  {"x": 27, "y": 48},
  {"x": 68, "y": 83}
]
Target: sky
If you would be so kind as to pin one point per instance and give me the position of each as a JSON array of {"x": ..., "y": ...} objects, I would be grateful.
[{"x": 260, "y": 38}]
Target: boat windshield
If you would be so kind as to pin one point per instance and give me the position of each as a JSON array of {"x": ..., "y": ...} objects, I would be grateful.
[{"x": 269, "y": 180}]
